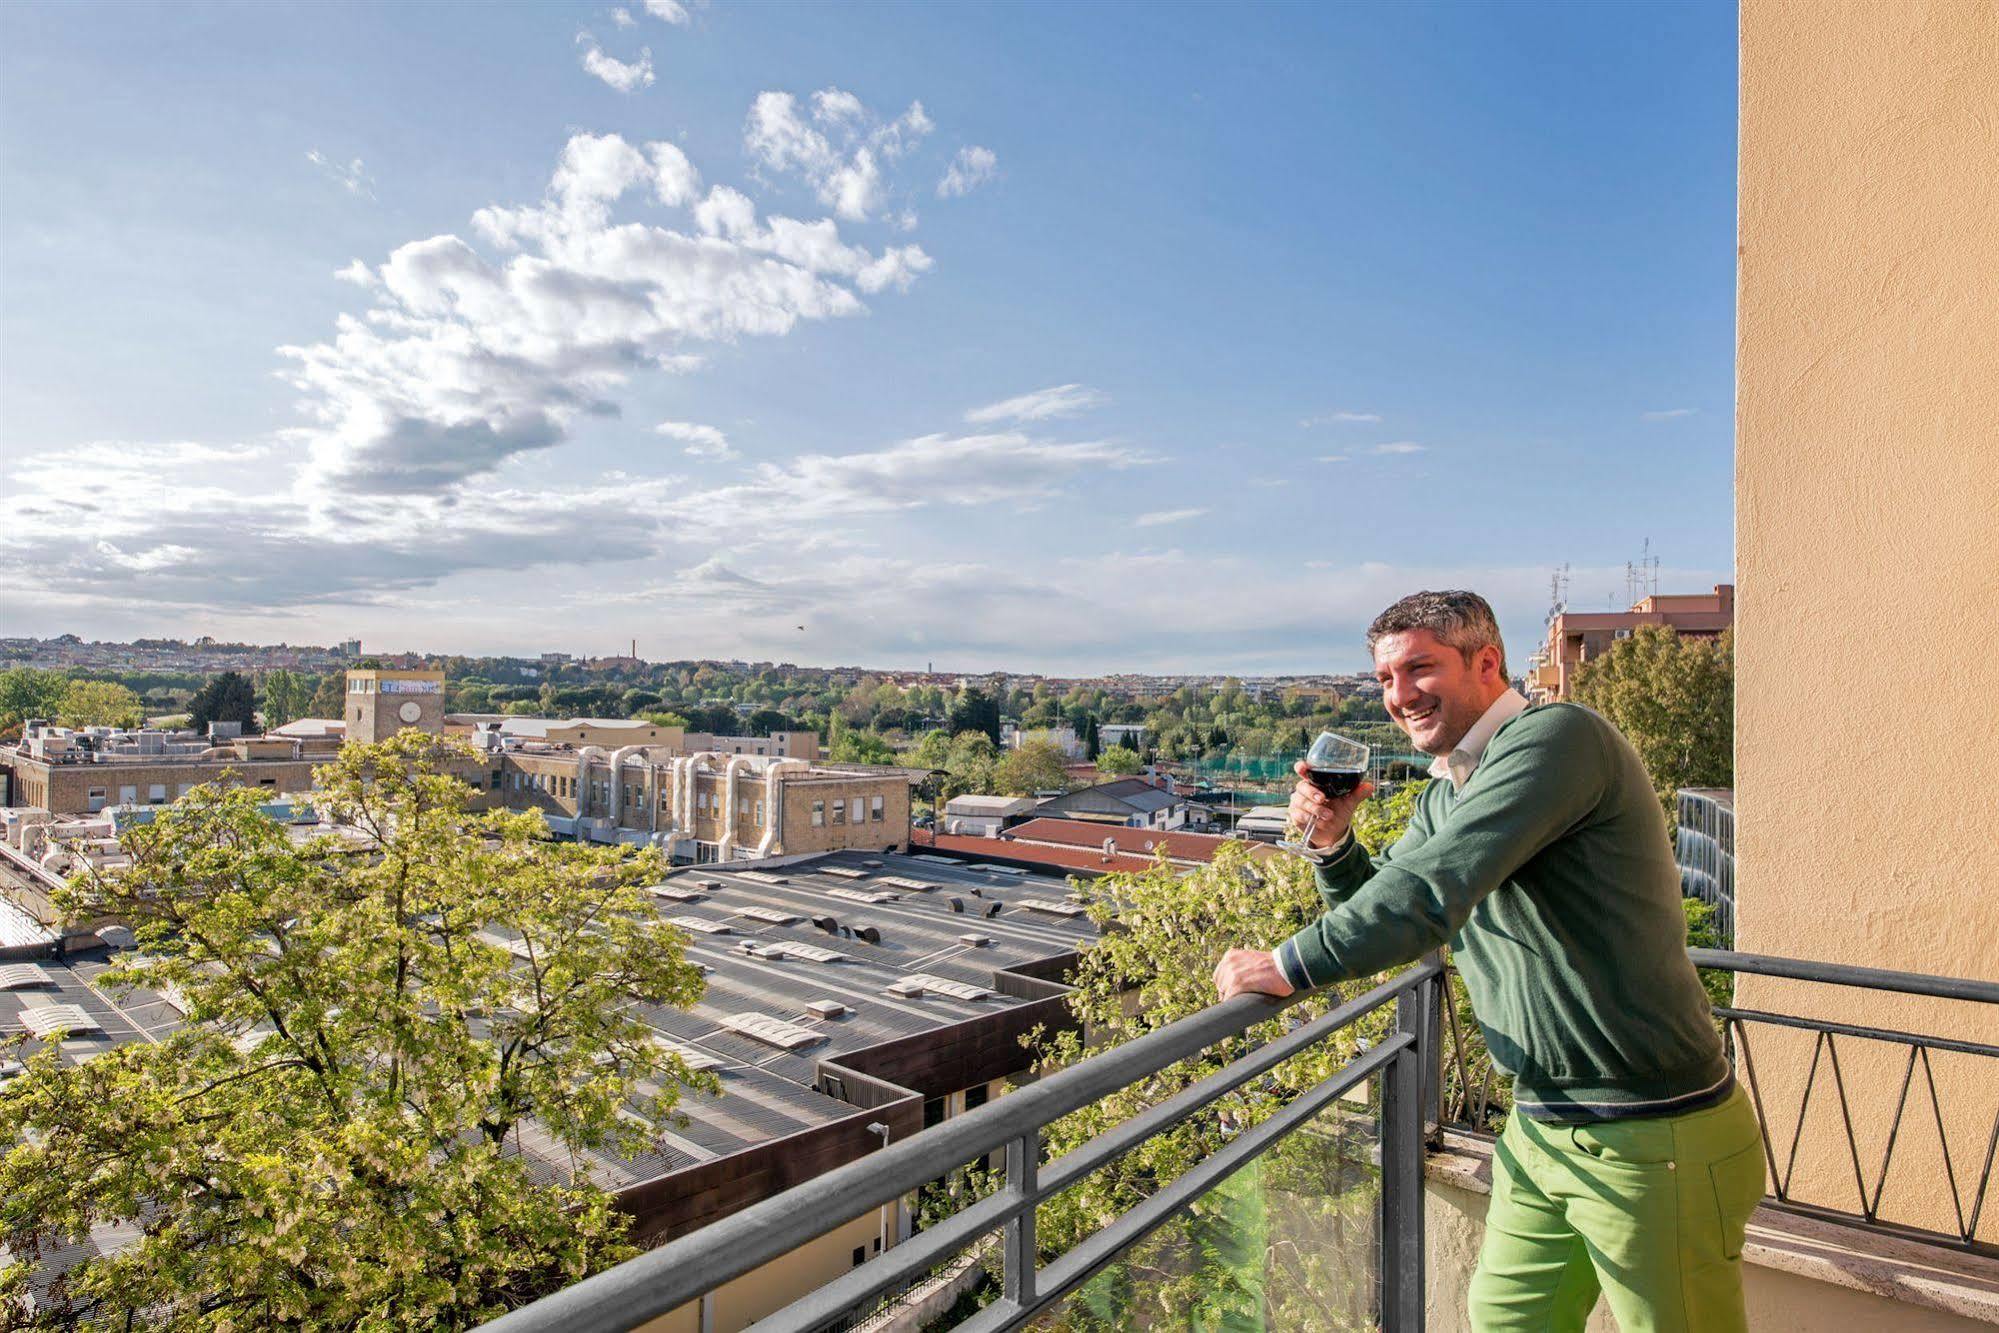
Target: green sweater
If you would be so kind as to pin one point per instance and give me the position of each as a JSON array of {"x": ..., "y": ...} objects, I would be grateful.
[{"x": 1550, "y": 878}]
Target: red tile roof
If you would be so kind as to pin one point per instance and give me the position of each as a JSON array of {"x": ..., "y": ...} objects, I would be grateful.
[
  {"x": 1188, "y": 847},
  {"x": 1041, "y": 854}
]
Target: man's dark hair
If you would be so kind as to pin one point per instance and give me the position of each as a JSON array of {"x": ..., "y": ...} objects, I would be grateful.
[{"x": 1462, "y": 619}]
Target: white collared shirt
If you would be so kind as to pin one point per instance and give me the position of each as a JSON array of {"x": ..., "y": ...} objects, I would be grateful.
[{"x": 1459, "y": 764}]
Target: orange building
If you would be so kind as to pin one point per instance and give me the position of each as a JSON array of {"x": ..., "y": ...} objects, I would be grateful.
[{"x": 1576, "y": 637}]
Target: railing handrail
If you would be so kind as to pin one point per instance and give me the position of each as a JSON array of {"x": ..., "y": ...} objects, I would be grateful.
[
  {"x": 1847, "y": 974},
  {"x": 681, "y": 1271}
]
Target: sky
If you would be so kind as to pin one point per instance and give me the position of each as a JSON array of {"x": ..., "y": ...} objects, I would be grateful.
[{"x": 1058, "y": 338}]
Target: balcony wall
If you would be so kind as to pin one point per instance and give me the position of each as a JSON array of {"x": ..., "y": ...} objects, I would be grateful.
[{"x": 1867, "y": 480}]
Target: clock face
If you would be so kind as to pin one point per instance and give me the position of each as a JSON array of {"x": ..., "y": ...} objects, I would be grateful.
[{"x": 410, "y": 711}]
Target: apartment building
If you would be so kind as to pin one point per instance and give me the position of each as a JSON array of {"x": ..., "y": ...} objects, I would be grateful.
[
  {"x": 1579, "y": 637},
  {"x": 66, "y": 771}
]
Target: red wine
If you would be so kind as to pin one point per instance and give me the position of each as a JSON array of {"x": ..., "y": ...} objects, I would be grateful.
[{"x": 1335, "y": 782}]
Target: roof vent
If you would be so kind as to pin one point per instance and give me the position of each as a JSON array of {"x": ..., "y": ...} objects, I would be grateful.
[
  {"x": 826, "y": 1008},
  {"x": 699, "y": 925},
  {"x": 771, "y": 1031},
  {"x": 868, "y": 934},
  {"x": 707, "y": 883},
  {"x": 872, "y": 865},
  {"x": 676, "y": 893},
  {"x": 844, "y": 872},
  {"x": 24, "y": 976},
  {"x": 861, "y": 895},
  {"x": 44, "y": 1020},
  {"x": 1054, "y": 908},
  {"x": 694, "y": 1059},
  {"x": 760, "y": 877},
  {"x": 957, "y": 904},
  {"x": 775, "y": 916},
  {"x": 994, "y": 909},
  {"x": 923, "y": 983},
  {"x": 976, "y": 941}
]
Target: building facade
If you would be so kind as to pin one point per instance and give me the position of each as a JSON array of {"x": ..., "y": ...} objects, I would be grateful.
[{"x": 1579, "y": 637}]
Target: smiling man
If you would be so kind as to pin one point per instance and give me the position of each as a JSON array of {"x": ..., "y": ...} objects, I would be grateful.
[{"x": 1539, "y": 854}]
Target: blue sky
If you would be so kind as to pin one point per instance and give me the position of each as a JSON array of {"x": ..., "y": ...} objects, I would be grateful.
[{"x": 1063, "y": 338}]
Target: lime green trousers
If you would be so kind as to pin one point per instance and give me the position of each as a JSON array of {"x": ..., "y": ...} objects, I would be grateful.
[{"x": 1647, "y": 1213}]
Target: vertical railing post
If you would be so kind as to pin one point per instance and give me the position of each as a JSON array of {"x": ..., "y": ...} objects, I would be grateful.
[
  {"x": 1430, "y": 1048},
  {"x": 1402, "y": 1098},
  {"x": 1022, "y": 1255}
]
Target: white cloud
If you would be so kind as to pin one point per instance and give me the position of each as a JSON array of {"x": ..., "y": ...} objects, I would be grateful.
[
  {"x": 352, "y": 177},
  {"x": 1398, "y": 447},
  {"x": 623, "y": 18},
  {"x": 1342, "y": 419},
  {"x": 672, "y": 11},
  {"x": 1332, "y": 458},
  {"x": 626, "y": 77},
  {"x": 702, "y": 441},
  {"x": 1161, "y": 517},
  {"x": 1668, "y": 414},
  {"x": 841, "y": 149},
  {"x": 357, "y": 273},
  {"x": 1063, "y": 400},
  {"x": 970, "y": 169},
  {"x": 468, "y": 358}
]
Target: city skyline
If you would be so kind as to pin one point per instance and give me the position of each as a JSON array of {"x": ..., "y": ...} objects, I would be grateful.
[{"x": 803, "y": 335}]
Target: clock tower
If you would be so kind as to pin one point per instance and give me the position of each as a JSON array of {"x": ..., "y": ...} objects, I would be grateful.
[{"x": 382, "y": 703}]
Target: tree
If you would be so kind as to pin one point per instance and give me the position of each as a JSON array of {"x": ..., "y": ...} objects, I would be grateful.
[
  {"x": 1035, "y": 767},
  {"x": 1118, "y": 761},
  {"x": 99, "y": 703},
  {"x": 329, "y": 698},
  {"x": 969, "y": 764},
  {"x": 763, "y": 721},
  {"x": 26, "y": 692},
  {"x": 286, "y": 697},
  {"x": 861, "y": 747},
  {"x": 1155, "y": 967},
  {"x": 976, "y": 711},
  {"x": 934, "y": 750},
  {"x": 1674, "y": 700},
  {"x": 225, "y": 698},
  {"x": 329, "y": 1141}
]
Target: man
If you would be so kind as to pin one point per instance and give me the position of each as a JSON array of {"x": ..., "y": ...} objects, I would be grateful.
[{"x": 1539, "y": 854}]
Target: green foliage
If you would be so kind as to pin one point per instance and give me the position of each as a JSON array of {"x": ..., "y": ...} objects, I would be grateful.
[
  {"x": 1118, "y": 761},
  {"x": 329, "y": 1140},
  {"x": 1035, "y": 767},
  {"x": 1704, "y": 932},
  {"x": 287, "y": 695},
  {"x": 99, "y": 703},
  {"x": 1154, "y": 968},
  {"x": 225, "y": 698},
  {"x": 329, "y": 697},
  {"x": 1379, "y": 821},
  {"x": 975, "y": 710},
  {"x": 1674, "y": 700},
  {"x": 969, "y": 765},
  {"x": 26, "y": 692}
]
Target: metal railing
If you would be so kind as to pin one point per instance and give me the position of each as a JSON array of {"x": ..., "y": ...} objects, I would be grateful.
[
  {"x": 1405, "y": 1062},
  {"x": 1474, "y": 1097}
]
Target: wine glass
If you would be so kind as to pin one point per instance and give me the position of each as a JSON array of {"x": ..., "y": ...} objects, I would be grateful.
[{"x": 1335, "y": 765}]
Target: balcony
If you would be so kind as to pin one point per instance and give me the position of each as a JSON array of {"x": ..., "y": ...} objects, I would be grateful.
[{"x": 1363, "y": 1192}]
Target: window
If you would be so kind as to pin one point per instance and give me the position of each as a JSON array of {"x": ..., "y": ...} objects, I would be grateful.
[
  {"x": 760, "y": 814},
  {"x": 857, "y": 809},
  {"x": 875, "y": 810},
  {"x": 742, "y": 807},
  {"x": 157, "y": 795},
  {"x": 96, "y": 798},
  {"x": 267, "y": 782},
  {"x": 818, "y": 813},
  {"x": 701, "y": 801},
  {"x": 839, "y": 812},
  {"x": 128, "y": 796},
  {"x": 860, "y": 1255}
]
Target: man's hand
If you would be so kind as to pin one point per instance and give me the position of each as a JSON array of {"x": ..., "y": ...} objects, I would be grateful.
[
  {"x": 1335, "y": 815},
  {"x": 1249, "y": 972}
]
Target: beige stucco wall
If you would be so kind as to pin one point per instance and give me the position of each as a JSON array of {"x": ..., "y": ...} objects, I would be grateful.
[{"x": 1867, "y": 494}]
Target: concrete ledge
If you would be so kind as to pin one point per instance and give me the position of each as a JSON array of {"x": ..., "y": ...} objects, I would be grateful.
[{"x": 1907, "y": 1272}]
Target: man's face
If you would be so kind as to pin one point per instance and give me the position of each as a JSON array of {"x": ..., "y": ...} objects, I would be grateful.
[{"x": 1429, "y": 689}]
